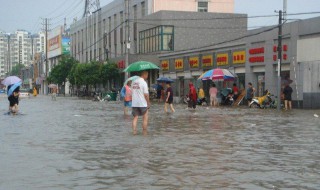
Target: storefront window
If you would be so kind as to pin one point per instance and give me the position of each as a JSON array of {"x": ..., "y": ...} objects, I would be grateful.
[{"x": 156, "y": 39}]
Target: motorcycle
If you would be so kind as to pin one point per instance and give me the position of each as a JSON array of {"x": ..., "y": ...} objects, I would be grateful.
[
  {"x": 227, "y": 97},
  {"x": 263, "y": 102}
]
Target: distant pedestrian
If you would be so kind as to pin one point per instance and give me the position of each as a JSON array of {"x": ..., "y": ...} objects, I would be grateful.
[
  {"x": 235, "y": 91},
  {"x": 54, "y": 94},
  {"x": 140, "y": 101},
  {"x": 35, "y": 93},
  {"x": 169, "y": 99},
  {"x": 192, "y": 96},
  {"x": 159, "y": 92},
  {"x": 250, "y": 93},
  {"x": 213, "y": 95},
  {"x": 287, "y": 91},
  {"x": 127, "y": 97}
]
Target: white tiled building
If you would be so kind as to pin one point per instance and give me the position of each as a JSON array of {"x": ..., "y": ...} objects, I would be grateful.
[{"x": 19, "y": 48}]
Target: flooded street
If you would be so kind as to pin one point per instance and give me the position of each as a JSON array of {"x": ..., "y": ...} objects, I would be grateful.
[{"x": 81, "y": 144}]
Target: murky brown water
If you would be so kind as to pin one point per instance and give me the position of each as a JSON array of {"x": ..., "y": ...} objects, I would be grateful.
[{"x": 80, "y": 144}]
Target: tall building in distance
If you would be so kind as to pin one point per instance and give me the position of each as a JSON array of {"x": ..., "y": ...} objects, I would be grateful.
[
  {"x": 3, "y": 53},
  {"x": 19, "y": 47}
]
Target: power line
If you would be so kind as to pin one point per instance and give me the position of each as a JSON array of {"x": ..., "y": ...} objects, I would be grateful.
[
  {"x": 100, "y": 39},
  {"x": 66, "y": 11}
]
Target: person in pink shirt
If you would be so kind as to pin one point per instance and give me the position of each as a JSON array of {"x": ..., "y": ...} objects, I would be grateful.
[{"x": 213, "y": 95}]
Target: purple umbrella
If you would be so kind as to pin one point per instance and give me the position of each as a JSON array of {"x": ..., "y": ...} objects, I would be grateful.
[{"x": 11, "y": 80}]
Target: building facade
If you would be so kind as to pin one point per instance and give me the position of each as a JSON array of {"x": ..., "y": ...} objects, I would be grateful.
[
  {"x": 19, "y": 48},
  {"x": 151, "y": 29},
  {"x": 3, "y": 54},
  {"x": 102, "y": 35},
  {"x": 254, "y": 59}
]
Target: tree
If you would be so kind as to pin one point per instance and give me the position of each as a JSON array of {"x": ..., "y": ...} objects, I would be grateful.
[
  {"x": 16, "y": 70},
  {"x": 60, "y": 73},
  {"x": 109, "y": 72}
]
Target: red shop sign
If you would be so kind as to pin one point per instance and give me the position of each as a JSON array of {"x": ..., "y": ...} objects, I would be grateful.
[{"x": 256, "y": 51}]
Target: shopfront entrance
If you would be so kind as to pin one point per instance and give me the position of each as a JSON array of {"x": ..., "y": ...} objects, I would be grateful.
[{"x": 261, "y": 84}]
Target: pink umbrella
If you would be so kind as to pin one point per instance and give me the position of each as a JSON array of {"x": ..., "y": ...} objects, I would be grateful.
[{"x": 217, "y": 75}]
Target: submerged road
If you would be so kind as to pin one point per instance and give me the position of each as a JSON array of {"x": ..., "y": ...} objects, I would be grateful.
[{"x": 81, "y": 144}]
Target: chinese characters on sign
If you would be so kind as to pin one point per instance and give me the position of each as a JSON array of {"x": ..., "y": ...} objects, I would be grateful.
[
  {"x": 207, "y": 61},
  {"x": 194, "y": 62},
  {"x": 284, "y": 51},
  {"x": 239, "y": 57},
  {"x": 165, "y": 65},
  {"x": 178, "y": 64},
  {"x": 222, "y": 59},
  {"x": 256, "y": 55}
]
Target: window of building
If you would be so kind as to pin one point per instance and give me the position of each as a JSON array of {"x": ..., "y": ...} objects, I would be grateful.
[
  {"x": 202, "y": 6},
  {"x": 143, "y": 9},
  {"x": 121, "y": 17},
  {"x": 159, "y": 38},
  {"x": 135, "y": 15},
  {"x": 115, "y": 21},
  {"x": 109, "y": 21}
]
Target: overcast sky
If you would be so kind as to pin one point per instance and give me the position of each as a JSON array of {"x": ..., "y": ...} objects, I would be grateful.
[{"x": 27, "y": 14}]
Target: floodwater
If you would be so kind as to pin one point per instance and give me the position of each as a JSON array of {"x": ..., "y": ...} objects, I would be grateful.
[{"x": 81, "y": 144}]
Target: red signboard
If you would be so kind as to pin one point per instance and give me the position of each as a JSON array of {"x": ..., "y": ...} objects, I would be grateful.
[
  {"x": 121, "y": 64},
  {"x": 256, "y": 59},
  {"x": 256, "y": 51}
]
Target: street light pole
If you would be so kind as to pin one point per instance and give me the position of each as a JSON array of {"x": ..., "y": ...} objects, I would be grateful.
[
  {"x": 127, "y": 36},
  {"x": 279, "y": 59}
]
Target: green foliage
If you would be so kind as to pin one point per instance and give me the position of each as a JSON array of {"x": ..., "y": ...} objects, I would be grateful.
[
  {"x": 16, "y": 70},
  {"x": 93, "y": 73},
  {"x": 60, "y": 73},
  {"x": 109, "y": 71}
]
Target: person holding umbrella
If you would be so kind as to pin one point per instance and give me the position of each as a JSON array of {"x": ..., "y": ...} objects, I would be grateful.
[
  {"x": 13, "y": 83},
  {"x": 169, "y": 99},
  {"x": 14, "y": 99},
  {"x": 140, "y": 101}
]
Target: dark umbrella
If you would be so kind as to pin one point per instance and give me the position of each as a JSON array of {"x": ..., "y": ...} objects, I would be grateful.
[{"x": 165, "y": 79}]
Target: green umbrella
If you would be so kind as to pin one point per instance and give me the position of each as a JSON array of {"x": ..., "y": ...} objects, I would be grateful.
[
  {"x": 140, "y": 66},
  {"x": 133, "y": 78}
]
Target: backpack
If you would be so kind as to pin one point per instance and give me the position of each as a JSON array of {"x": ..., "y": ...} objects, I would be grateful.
[{"x": 123, "y": 92}]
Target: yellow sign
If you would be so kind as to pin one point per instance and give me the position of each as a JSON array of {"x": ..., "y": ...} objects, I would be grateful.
[
  {"x": 165, "y": 65},
  {"x": 239, "y": 57},
  {"x": 194, "y": 62},
  {"x": 222, "y": 59},
  {"x": 178, "y": 64},
  {"x": 207, "y": 61}
]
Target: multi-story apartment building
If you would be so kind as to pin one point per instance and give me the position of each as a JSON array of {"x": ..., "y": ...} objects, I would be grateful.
[
  {"x": 3, "y": 53},
  {"x": 19, "y": 48}
]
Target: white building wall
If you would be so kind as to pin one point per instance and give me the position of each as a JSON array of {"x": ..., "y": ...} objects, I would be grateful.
[{"x": 308, "y": 49}]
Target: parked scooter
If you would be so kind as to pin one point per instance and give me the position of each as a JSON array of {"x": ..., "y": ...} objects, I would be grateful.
[
  {"x": 265, "y": 101},
  {"x": 227, "y": 97}
]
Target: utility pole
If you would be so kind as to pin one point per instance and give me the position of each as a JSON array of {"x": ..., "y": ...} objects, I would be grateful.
[
  {"x": 284, "y": 9},
  {"x": 279, "y": 59},
  {"x": 46, "y": 29},
  {"x": 127, "y": 37}
]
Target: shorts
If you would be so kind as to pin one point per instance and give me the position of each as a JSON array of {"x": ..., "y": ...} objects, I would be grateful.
[
  {"x": 13, "y": 100},
  {"x": 170, "y": 100},
  {"x": 288, "y": 98},
  {"x": 139, "y": 111},
  {"x": 127, "y": 103}
]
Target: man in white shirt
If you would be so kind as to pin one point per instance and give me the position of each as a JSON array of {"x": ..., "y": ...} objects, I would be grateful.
[{"x": 140, "y": 101}]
